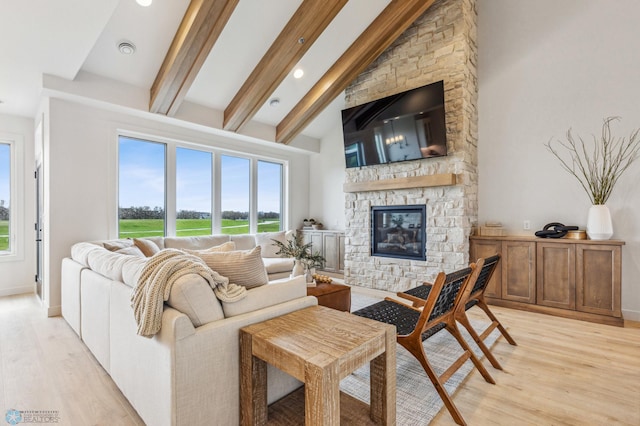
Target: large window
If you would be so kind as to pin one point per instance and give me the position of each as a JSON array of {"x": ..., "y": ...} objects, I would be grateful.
[
  {"x": 269, "y": 196},
  {"x": 5, "y": 197},
  {"x": 235, "y": 187},
  {"x": 141, "y": 188},
  {"x": 193, "y": 192},
  {"x": 171, "y": 189}
]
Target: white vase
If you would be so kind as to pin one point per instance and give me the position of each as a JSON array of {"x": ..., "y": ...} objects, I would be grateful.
[
  {"x": 599, "y": 225},
  {"x": 298, "y": 268}
]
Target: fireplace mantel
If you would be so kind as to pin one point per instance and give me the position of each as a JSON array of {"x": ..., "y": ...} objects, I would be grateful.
[{"x": 442, "y": 179}]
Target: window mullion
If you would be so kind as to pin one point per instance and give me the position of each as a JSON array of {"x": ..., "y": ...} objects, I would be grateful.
[
  {"x": 216, "y": 209},
  {"x": 170, "y": 190},
  {"x": 253, "y": 196}
]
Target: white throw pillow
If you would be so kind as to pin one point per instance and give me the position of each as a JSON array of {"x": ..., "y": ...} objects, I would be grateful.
[
  {"x": 242, "y": 267},
  {"x": 131, "y": 251},
  {"x": 265, "y": 240}
]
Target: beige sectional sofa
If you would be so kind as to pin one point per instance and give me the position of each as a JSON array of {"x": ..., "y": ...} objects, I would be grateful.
[{"x": 188, "y": 373}]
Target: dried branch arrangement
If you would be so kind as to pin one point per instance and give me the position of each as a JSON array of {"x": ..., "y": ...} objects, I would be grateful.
[{"x": 598, "y": 167}]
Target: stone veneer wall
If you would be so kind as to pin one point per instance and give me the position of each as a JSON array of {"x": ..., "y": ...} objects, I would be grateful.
[{"x": 440, "y": 45}]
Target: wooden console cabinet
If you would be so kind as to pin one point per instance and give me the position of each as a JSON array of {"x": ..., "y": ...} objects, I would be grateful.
[
  {"x": 330, "y": 244},
  {"x": 572, "y": 278}
]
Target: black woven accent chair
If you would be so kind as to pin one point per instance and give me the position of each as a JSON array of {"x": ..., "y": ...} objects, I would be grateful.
[
  {"x": 418, "y": 297},
  {"x": 414, "y": 325},
  {"x": 476, "y": 297}
]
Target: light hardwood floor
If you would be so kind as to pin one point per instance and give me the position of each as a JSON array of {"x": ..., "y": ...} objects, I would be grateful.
[
  {"x": 45, "y": 367},
  {"x": 563, "y": 372}
]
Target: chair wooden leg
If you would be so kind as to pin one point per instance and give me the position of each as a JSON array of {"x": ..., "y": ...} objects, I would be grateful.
[
  {"x": 462, "y": 319},
  {"x": 417, "y": 350},
  {"x": 483, "y": 305},
  {"x": 453, "y": 329}
]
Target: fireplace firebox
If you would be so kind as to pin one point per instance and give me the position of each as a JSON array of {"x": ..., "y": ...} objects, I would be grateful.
[{"x": 399, "y": 231}]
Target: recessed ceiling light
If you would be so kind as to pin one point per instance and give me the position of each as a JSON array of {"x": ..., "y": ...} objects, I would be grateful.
[
  {"x": 298, "y": 73},
  {"x": 274, "y": 102},
  {"x": 126, "y": 47},
  {"x": 144, "y": 3}
]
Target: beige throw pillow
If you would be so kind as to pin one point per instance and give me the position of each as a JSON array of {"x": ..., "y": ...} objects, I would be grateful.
[
  {"x": 265, "y": 240},
  {"x": 242, "y": 267},
  {"x": 148, "y": 248}
]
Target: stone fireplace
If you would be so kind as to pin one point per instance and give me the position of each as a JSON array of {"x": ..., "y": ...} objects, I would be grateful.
[
  {"x": 398, "y": 232},
  {"x": 440, "y": 45}
]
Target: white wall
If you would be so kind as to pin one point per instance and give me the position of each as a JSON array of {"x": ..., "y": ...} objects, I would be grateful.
[
  {"x": 80, "y": 151},
  {"x": 544, "y": 67},
  {"x": 327, "y": 175},
  {"x": 17, "y": 273}
]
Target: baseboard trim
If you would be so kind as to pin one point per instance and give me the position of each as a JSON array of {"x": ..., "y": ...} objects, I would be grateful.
[
  {"x": 630, "y": 315},
  {"x": 54, "y": 311},
  {"x": 584, "y": 316},
  {"x": 18, "y": 290}
]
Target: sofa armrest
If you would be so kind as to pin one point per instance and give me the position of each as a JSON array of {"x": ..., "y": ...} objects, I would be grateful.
[{"x": 216, "y": 347}]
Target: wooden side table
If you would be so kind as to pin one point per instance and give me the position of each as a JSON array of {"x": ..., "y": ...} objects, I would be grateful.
[
  {"x": 336, "y": 296},
  {"x": 318, "y": 346}
]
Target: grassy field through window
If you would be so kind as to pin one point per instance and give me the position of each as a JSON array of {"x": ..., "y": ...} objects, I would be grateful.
[
  {"x": 136, "y": 228},
  {"x": 4, "y": 235}
]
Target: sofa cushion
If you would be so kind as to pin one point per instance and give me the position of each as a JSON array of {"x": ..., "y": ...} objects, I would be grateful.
[
  {"x": 192, "y": 295},
  {"x": 228, "y": 246},
  {"x": 80, "y": 252},
  {"x": 195, "y": 243},
  {"x": 275, "y": 265},
  {"x": 147, "y": 247},
  {"x": 131, "y": 270},
  {"x": 244, "y": 241},
  {"x": 265, "y": 240},
  {"x": 275, "y": 292},
  {"x": 107, "y": 263},
  {"x": 242, "y": 267}
]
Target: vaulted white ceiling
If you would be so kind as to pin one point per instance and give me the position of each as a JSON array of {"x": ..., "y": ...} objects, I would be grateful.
[{"x": 64, "y": 37}]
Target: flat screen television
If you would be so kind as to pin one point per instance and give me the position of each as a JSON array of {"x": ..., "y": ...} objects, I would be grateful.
[{"x": 402, "y": 127}]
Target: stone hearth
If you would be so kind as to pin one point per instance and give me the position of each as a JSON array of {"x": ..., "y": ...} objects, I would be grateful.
[{"x": 441, "y": 45}]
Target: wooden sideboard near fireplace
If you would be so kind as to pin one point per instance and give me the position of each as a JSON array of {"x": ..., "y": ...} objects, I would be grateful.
[
  {"x": 330, "y": 244},
  {"x": 565, "y": 277}
]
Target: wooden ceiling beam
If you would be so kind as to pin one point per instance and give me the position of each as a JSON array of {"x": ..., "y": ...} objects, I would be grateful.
[
  {"x": 384, "y": 30},
  {"x": 306, "y": 24},
  {"x": 201, "y": 26}
]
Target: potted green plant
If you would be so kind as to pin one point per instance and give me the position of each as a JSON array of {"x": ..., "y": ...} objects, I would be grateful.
[
  {"x": 305, "y": 259},
  {"x": 598, "y": 166}
]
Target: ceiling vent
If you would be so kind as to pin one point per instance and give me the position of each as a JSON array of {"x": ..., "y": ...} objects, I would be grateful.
[{"x": 126, "y": 48}]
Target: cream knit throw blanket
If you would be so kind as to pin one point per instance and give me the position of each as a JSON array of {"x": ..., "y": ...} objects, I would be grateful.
[{"x": 160, "y": 273}]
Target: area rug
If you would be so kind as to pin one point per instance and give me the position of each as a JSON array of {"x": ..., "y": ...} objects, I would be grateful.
[{"x": 417, "y": 401}]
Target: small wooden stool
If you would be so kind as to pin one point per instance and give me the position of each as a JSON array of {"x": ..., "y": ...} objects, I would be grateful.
[{"x": 336, "y": 296}]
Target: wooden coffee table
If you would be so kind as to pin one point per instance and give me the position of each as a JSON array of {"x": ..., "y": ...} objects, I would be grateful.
[
  {"x": 318, "y": 346},
  {"x": 336, "y": 296}
]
